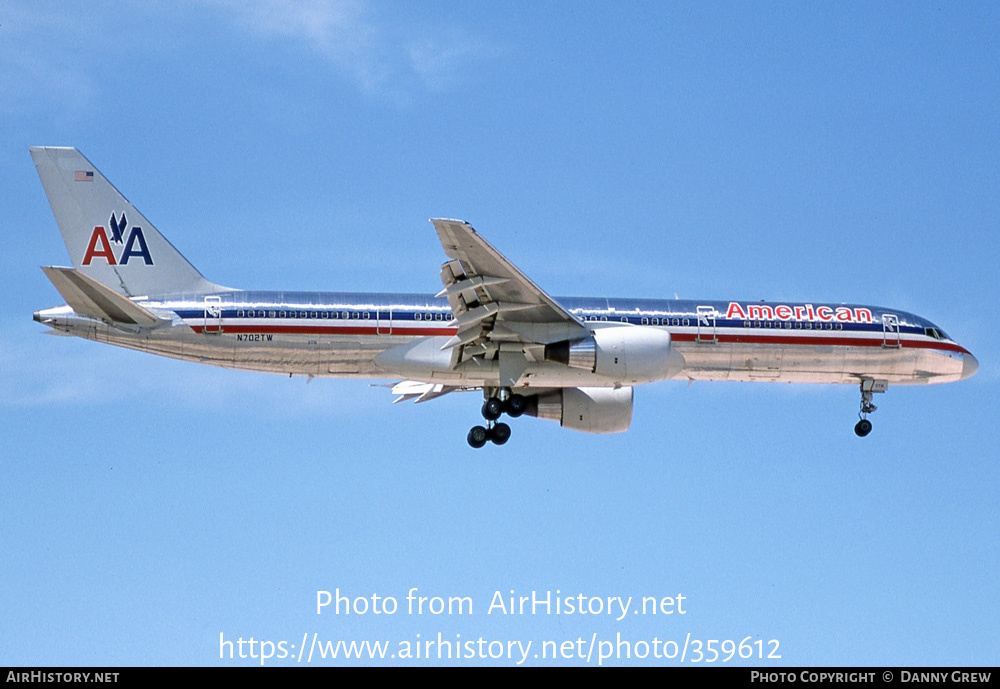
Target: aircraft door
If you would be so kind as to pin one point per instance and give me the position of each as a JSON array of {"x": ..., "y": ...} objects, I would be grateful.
[
  {"x": 706, "y": 325},
  {"x": 890, "y": 330},
  {"x": 383, "y": 321},
  {"x": 213, "y": 316}
]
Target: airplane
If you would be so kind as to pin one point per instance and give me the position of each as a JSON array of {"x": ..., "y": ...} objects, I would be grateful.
[{"x": 575, "y": 361}]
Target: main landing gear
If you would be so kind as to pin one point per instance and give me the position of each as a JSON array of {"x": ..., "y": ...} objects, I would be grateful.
[
  {"x": 497, "y": 404},
  {"x": 868, "y": 387}
]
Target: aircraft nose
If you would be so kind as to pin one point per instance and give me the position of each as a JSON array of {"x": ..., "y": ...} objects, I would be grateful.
[{"x": 969, "y": 365}]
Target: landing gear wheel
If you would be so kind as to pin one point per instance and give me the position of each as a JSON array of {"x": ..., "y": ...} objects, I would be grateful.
[
  {"x": 515, "y": 405},
  {"x": 500, "y": 433},
  {"x": 492, "y": 409},
  {"x": 863, "y": 428},
  {"x": 478, "y": 436}
]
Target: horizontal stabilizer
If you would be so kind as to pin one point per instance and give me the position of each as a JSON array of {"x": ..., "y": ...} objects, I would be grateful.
[{"x": 90, "y": 298}]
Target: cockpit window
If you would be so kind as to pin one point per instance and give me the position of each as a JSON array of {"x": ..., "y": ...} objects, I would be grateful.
[{"x": 936, "y": 333}]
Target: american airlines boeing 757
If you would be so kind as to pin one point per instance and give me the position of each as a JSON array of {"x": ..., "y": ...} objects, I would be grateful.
[{"x": 571, "y": 360}]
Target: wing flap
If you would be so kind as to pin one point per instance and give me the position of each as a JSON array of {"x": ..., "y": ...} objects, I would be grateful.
[
  {"x": 469, "y": 285},
  {"x": 421, "y": 392},
  {"x": 476, "y": 267},
  {"x": 494, "y": 302}
]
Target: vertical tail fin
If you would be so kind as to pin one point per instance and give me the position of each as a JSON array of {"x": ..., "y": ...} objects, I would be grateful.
[{"x": 107, "y": 238}]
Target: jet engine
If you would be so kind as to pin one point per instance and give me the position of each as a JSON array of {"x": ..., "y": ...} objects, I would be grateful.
[
  {"x": 592, "y": 410},
  {"x": 626, "y": 355}
]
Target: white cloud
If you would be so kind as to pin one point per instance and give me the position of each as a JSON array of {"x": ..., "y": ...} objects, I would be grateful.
[
  {"x": 56, "y": 58},
  {"x": 378, "y": 55},
  {"x": 438, "y": 58},
  {"x": 340, "y": 31}
]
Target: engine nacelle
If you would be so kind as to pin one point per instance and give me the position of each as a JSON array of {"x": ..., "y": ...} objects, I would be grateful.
[
  {"x": 592, "y": 410},
  {"x": 622, "y": 354}
]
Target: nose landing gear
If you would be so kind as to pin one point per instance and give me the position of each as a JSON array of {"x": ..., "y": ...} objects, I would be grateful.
[
  {"x": 868, "y": 387},
  {"x": 497, "y": 404}
]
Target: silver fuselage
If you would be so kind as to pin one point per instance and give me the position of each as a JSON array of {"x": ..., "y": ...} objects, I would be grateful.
[{"x": 343, "y": 334}]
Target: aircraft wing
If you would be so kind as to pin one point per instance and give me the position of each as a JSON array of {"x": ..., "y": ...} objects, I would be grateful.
[{"x": 498, "y": 310}]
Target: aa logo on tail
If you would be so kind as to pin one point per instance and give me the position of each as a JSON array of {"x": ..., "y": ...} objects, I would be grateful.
[{"x": 101, "y": 247}]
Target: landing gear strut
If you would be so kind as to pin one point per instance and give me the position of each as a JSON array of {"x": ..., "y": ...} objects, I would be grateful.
[
  {"x": 868, "y": 387},
  {"x": 497, "y": 404}
]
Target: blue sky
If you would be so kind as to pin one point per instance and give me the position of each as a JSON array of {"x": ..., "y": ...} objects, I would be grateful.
[{"x": 788, "y": 151}]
